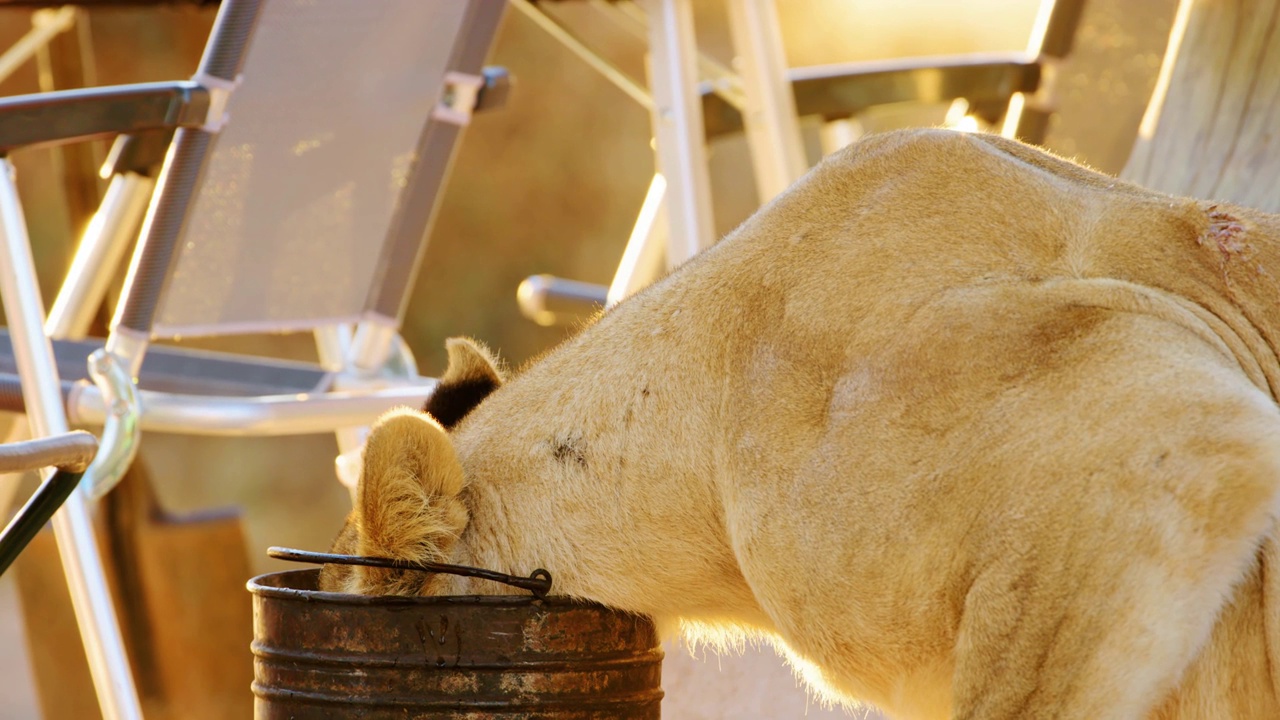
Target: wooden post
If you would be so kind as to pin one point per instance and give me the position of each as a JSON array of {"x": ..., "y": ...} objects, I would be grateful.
[{"x": 1212, "y": 129}]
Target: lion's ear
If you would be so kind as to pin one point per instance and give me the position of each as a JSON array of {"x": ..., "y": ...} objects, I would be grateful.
[
  {"x": 407, "y": 503},
  {"x": 472, "y": 374}
]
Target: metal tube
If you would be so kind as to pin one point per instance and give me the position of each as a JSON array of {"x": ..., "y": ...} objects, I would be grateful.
[
  {"x": 77, "y": 544},
  {"x": 183, "y": 167},
  {"x": 63, "y": 116},
  {"x": 773, "y": 131},
  {"x": 549, "y": 300},
  {"x": 152, "y": 258},
  {"x": 332, "y": 345},
  {"x": 642, "y": 260},
  {"x": 1013, "y": 115},
  {"x": 73, "y": 451},
  {"x": 262, "y": 416},
  {"x": 120, "y": 431},
  {"x": 678, "y": 128},
  {"x": 372, "y": 344},
  {"x": 101, "y": 252},
  {"x": 45, "y": 26}
]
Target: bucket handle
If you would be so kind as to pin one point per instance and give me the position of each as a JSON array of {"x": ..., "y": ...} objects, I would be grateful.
[{"x": 538, "y": 582}]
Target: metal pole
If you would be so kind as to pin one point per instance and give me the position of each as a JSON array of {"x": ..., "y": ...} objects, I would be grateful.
[
  {"x": 179, "y": 178},
  {"x": 77, "y": 545},
  {"x": 642, "y": 260},
  {"x": 773, "y": 131},
  {"x": 100, "y": 254},
  {"x": 259, "y": 416},
  {"x": 678, "y": 128},
  {"x": 371, "y": 346},
  {"x": 333, "y": 344}
]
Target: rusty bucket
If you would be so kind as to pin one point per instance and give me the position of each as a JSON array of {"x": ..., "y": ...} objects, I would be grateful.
[{"x": 330, "y": 655}]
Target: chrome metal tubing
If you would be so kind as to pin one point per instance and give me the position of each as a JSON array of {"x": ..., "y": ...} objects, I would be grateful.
[
  {"x": 120, "y": 431},
  {"x": 641, "y": 262},
  {"x": 165, "y": 218},
  {"x": 332, "y": 345},
  {"x": 549, "y": 300},
  {"x": 73, "y": 452},
  {"x": 77, "y": 544},
  {"x": 261, "y": 416},
  {"x": 68, "y": 115},
  {"x": 100, "y": 254},
  {"x": 372, "y": 344},
  {"x": 179, "y": 178},
  {"x": 846, "y": 89},
  {"x": 678, "y": 128},
  {"x": 773, "y": 129}
]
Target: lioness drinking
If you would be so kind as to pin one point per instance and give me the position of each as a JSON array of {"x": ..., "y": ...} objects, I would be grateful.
[{"x": 971, "y": 431}]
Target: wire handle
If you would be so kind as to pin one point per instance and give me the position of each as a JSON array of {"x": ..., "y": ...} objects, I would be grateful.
[{"x": 538, "y": 582}]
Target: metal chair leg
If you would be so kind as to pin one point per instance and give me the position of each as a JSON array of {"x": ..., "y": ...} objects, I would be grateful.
[
  {"x": 772, "y": 126},
  {"x": 77, "y": 545},
  {"x": 678, "y": 128}
]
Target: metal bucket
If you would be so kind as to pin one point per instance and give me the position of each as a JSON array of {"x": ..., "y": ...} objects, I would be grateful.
[{"x": 330, "y": 655}]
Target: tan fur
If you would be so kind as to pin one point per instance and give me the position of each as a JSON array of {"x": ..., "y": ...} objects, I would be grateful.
[
  {"x": 970, "y": 430},
  {"x": 406, "y": 508},
  {"x": 470, "y": 360}
]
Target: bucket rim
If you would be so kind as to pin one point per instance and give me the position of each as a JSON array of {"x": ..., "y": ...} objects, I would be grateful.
[{"x": 276, "y": 585}]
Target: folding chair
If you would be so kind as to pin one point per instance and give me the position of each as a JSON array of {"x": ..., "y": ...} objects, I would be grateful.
[
  {"x": 696, "y": 99},
  {"x": 306, "y": 160},
  {"x": 1012, "y": 91}
]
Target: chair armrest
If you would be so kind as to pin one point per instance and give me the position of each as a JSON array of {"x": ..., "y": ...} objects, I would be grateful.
[
  {"x": 179, "y": 370},
  {"x": 71, "y": 452},
  {"x": 69, "y": 115},
  {"x": 836, "y": 91}
]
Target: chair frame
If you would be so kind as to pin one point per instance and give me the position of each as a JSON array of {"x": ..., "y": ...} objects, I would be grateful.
[
  {"x": 764, "y": 102},
  {"x": 368, "y": 362}
]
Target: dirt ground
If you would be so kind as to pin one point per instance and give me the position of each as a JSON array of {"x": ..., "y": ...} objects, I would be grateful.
[{"x": 549, "y": 184}]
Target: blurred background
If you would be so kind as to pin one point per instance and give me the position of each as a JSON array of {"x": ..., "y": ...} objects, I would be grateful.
[{"x": 550, "y": 183}]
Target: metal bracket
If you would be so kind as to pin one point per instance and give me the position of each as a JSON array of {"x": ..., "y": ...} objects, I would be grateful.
[
  {"x": 120, "y": 431},
  {"x": 465, "y": 94},
  {"x": 220, "y": 91},
  {"x": 458, "y": 98}
]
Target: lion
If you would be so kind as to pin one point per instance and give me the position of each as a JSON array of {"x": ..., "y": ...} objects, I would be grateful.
[{"x": 969, "y": 430}]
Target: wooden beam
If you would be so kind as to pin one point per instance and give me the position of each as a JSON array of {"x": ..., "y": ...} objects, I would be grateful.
[{"x": 1212, "y": 129}]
